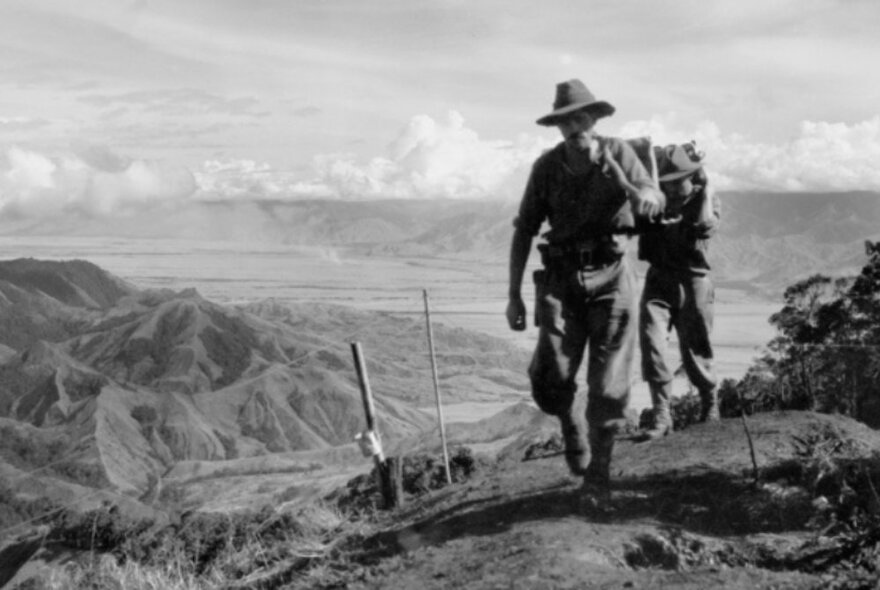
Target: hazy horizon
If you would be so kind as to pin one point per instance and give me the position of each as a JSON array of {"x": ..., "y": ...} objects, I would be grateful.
[{"x": 115, "y": 108}]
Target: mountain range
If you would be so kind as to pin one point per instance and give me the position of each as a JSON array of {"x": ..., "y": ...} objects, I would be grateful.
[
  {"x": 155, "y": 400},
  {"x": 106, "y": 384},
  {"x": 766, "y": 240}
]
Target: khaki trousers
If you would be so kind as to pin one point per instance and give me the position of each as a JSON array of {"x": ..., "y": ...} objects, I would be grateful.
[
  {"x": 685, "y": 303},
  {"x": 578, "y": 312}
]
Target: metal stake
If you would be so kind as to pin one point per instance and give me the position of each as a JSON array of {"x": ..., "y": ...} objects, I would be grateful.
[{"x": 437, "y": 387}]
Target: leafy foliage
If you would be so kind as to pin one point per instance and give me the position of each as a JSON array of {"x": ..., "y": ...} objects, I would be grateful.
[
  {"x": 826, "y": 356},
  {"x": 422, "y": 473},
  {"x": 684, "y": 409}
]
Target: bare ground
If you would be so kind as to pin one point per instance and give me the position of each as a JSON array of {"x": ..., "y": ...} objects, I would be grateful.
[{"x": 685, "y": 512}]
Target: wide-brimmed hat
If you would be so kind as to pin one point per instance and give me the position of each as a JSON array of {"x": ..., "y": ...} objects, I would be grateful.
[
  {"x": 677, "y": 161},
  {"x": 571, "y": 96}
]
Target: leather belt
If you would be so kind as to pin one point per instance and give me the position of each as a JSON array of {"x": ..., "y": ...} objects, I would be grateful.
[{"x": 587, "y": 254}]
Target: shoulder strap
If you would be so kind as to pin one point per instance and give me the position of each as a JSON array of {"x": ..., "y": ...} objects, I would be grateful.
[{"x": 644, "y": 149}]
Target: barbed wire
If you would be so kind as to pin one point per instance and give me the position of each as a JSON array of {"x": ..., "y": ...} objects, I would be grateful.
[
  {"x": 32, "y": 473},
  {"x": 63, "y": 458},
  {"x": 415, "y": 307},
  {"x": 67, "y": 506}
]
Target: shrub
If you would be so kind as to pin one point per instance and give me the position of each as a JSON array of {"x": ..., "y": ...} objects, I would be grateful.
[
  {"x": 685, "y": 411},
  {"x": 420, "y": 473},
  {"x": 825, "y": 354}
]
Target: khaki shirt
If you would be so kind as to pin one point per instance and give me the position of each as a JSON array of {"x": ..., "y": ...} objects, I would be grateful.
[
  {"x": 584, "y": 205},
  {"x": 683, "y": 247}
]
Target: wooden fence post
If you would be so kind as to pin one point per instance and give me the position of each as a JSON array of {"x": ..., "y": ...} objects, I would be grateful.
[{"x": 388, "y": 470}]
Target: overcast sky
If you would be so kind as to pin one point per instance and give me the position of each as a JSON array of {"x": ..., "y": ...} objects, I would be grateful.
[{"x": 113, "y": 104}]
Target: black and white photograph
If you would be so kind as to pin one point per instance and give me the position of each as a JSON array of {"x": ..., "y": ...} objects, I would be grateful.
[{"x": 438, "y": 294}]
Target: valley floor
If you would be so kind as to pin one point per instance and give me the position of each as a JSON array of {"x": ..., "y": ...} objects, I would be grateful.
[{"x": 463, "y": 293}]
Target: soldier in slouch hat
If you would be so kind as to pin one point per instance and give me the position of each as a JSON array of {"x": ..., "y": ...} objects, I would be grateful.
[
  {"x": 591, "y": 191},
  {"x": 678, "y": 291}
]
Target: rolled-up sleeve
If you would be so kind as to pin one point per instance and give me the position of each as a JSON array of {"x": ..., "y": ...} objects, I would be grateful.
[
  {"x": 533, "y": 207},
  {"x": 629, "y": 162}
]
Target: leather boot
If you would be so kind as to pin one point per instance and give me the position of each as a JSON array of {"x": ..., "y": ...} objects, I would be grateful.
[
  {"x": 597, "y": 478},
  {"x": 709, "y": 411},
  {"x": 662, "y": 416},
  {"x": 575, "y": 443}
]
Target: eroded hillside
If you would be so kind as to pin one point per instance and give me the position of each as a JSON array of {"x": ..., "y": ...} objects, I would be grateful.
[{"x": 138, "y": 381}]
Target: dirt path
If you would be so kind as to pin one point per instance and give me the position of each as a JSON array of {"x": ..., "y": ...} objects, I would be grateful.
[{"x": 684, "y": 513}]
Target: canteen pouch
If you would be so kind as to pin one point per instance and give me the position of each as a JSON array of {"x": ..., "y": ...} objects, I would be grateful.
[{"x": 540, "y": 279}]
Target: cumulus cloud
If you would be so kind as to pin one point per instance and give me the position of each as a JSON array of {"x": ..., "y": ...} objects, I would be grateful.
[
  {"x": 94, "y": 182},
  {"x": 444, "y": 158},
  {"x": 821, "y": 157},
  {"x": 231, "y": 179},
  {"x": 428, "y": 159},
  {"x": 433, "y": 159}
]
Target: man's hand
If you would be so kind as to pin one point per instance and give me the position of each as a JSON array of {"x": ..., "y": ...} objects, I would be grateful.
[
  {"x": 516, "y": 313},
  {"x": 646, "y": 203}
]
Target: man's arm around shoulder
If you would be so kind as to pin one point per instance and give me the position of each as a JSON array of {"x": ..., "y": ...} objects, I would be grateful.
[{"x": 625, "y": 168}]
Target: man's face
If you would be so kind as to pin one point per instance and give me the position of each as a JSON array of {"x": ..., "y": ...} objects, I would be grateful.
[
  {"x": 683, "y": 187},
  {"x": 577, "y": 129}
]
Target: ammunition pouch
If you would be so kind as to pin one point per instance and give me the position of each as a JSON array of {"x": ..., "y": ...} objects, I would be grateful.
[{"x": 540, "y": 278}]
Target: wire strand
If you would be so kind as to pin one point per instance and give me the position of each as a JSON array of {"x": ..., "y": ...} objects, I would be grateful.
[{"x": 56, "y": 510}]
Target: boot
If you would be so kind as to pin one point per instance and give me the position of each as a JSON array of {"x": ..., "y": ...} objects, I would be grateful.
[
  {"x": 709, "y": 411},
  {"x": 597, "y": 477},
  {"x": 662, "y": 416},
  {"x": 573, "y": 438}
]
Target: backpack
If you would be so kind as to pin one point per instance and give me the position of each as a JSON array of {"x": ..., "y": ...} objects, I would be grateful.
[{"x": 644, "y": 149}]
